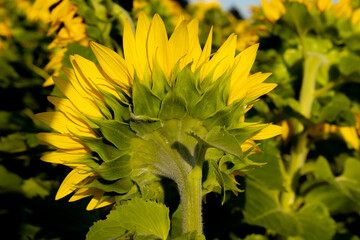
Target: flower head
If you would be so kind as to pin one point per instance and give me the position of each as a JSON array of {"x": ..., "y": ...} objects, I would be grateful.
[{"x": 166, "y": 107}]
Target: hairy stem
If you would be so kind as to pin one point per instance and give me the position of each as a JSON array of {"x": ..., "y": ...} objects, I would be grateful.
[{"x": 299, "y": 152}]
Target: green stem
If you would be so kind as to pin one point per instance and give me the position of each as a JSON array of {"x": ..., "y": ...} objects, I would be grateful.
[
  {"x": 328, "y": 87},
  {"x": 191, "y": 200},
  {"x": 299, "y": 152},
  {"x": 39, "y": 71},
  {"x": 180, "y": 157}
]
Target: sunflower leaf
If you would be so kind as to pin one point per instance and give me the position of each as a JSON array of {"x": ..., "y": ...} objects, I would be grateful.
[{"x": 149, "y": 220}]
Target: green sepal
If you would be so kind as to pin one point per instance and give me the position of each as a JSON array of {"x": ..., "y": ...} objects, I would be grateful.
[
  {"x": 120, "y": 110},
  {"x": 120, "y": 186},
  {"x": 104, "y": 109},
  {"x": 87, "y": 160},
  {"x": 186, "y": 86},
  {"x": 143, "y": 125},
  {"x": 115, "y": 169},
  {"x": 220, "y": 138},
  {"x": 227, "y": 117},
  {"x": 116, "y": 132},
  {"x": 213, "y": 99},
  {"x": 173, "y": 106},
  {"x": 245, "y": 131},
  {"x": 229, "y": 163},
  {"x": 219, "y": 178},
  {"x": 160, "y": 83},
  {"x": 145, "y": 102},
  {"x": 105, "y": 151},
  {"x": 150, "y": 220}
]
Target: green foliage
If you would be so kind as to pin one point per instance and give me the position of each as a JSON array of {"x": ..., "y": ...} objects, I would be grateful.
[
  {"x": 136, "y": 219},
  {"x": 304, "y": 185}
]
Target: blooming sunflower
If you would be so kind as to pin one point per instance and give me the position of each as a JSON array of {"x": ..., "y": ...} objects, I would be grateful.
[{"x": 164, "y": 110}]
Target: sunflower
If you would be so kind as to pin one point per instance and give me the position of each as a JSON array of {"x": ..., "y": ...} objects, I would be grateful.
[{"x": 164, "y": 110}]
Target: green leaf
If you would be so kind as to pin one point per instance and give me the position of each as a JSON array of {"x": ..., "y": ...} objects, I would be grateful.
[
  {"x": 323, "y": 170},
  {"x": 9, "y": 181},
  {"x": 337, "y": 111},
  {"x": 340, "y": 194},
  {"x": 352, "y": 42},
  {"x": 349, "y": 63},
  {"x": 173, "y": 106},
  {"x": 262, "y": 208},
  {"x": 144, "y": 101},
  {"x": 298, "y": 17},
  {"x": 349, "y": 181},
  {"x": 176, "y": 223},
  {"x": 315, "y": 222},
  {"x": 150, "y": 220},
  {"x": 333, "y": 198},
  {"x": 269, "y": 174},
  {"x": 33, "y": 187}
]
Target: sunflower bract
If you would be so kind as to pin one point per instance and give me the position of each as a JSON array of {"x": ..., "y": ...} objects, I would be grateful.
[{"x": 165, "y": 108}]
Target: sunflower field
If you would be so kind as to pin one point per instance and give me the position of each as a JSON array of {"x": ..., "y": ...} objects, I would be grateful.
[{"x": 177, "y": 120}]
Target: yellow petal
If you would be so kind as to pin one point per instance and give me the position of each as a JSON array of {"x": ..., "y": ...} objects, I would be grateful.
[
  {"x": 194, "y": 44},
  {"x": 273, "y": 9},
  {"x": 240, "y": 76},
  {"x": 178, "y": 45},
  {"x": 81, "y": 193},
  {"x": 129, "y": 46},
  {"x": 61, "y": 141},
  {"x": 142, "y": 31},
  {"x": 112, "y": 64},
  {"x": 205, "y": 54},
  {"x": 69, "y": 110},
  {"x": 69, "y": 184},
  {"x": 59, "y": 122},
  {"x": 61, "y": 157},
  {"x": 350, "y": 136},
  {"x": 96, "y": 79},
  {"x": 83, "y": 104},
  {"x": 83, "y": 73},
  {"x": 323, "y": 5},
  {"x": 261, "y": 89},
  {"x": 355, "y": 19},
  {"x": 248, "y": 144},
  {"x": 105, "y": 202},
  {"x": 157, "y": 45},
  {"x": 268, "y": 132},
  {"x": 97, "y": 195},
  {"x": 222, "y": 59}
]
